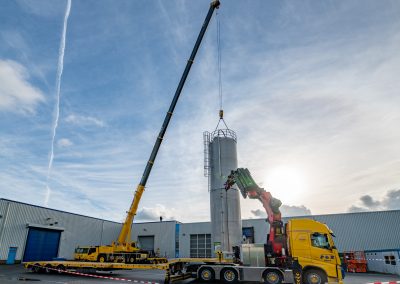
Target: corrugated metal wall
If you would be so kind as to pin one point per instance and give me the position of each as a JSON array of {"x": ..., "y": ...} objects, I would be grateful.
[
  {"x": 77, "y": 229},
  {"x": 384, "y": 261},
  {"x": 163, "y": 232},
  {"x": 364, "y": 230},
  {"x": 354, "y": 231}
]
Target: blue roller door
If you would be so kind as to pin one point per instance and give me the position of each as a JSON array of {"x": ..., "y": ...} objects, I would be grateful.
[{"x": 41, "y": 244}]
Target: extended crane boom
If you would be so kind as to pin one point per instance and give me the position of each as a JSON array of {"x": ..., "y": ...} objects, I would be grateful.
[
  {"x": 123, "y": 250},
  {"x": 125, "y": 231}
]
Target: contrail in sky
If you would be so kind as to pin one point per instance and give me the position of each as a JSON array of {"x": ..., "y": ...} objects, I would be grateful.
[{"x": 58, "y": 87}]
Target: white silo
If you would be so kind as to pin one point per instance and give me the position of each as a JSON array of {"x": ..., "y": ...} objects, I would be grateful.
[{"x": 220, "y": 157}]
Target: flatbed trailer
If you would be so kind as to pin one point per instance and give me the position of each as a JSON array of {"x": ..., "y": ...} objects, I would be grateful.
[
  {"x": 172, "y": 264},
  {"x": 45, "y": 266},
  {"x": 90, "y": 268},
  {"x": 205, "y": 269}
]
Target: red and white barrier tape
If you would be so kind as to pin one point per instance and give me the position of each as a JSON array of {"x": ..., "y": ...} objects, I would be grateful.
[
  {"x": 96, "y": 276},
  {"x": 375, "y": 259},
  {"x": 388, "y": 282}
]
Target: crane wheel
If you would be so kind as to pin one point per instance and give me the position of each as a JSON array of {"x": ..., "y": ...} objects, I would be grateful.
[{"x": 101, "y": 258}]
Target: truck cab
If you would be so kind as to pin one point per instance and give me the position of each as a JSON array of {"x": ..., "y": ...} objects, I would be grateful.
[
  {"x": 311, "y": 243},
  {"x": 86, "y": 253}
]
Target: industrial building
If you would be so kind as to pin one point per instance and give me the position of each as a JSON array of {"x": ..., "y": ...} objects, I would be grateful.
[{"x": 30, "y": 232}]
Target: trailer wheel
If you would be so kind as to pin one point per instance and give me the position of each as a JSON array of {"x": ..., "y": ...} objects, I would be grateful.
[
  {"x": 229, "y": 275},
  {"x": 314, "y": 276},
  {"x": 272, "y": 277},
  {"x": 37, "y": 268},
  {"x": 48, "y": 269},
  {"x": 101, "y": 258},
  {"x": 60, "y": 269},
  {"x": 206, "y": 274}
]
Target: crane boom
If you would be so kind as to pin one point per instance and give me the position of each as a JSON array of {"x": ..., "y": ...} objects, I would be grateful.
[{"x": 126, "y": 227}]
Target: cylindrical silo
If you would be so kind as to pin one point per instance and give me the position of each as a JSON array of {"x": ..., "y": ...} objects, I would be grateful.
[{"x": 220, "y": 160}]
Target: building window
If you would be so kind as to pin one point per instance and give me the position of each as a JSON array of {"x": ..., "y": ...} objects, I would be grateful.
[
  {"x": 387, "y": 261},
  {"x": 200, "y": 245},
  {"x": 320, "y": 241},
  {"x": 248, "y": 235},
  {"x": 392, "y": 260}
]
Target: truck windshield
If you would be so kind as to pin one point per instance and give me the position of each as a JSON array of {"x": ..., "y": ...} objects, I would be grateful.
[
  {"x": 320, "y": 241},
  {"x": 81, "y": 250}
]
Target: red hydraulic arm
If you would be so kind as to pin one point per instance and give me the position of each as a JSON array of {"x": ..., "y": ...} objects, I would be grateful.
[{"x": 249, "y": 188}]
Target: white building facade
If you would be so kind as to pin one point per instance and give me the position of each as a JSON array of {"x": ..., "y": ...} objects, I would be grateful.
[{"x": 29, "y": 232}]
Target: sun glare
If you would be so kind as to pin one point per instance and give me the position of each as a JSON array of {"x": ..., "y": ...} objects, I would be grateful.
[{"x": 285, "y": 183}]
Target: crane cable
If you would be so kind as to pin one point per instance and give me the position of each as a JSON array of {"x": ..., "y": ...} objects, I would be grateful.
[
  {"x": 221, "y": 111},
  {"x": 219, "y": 61}
]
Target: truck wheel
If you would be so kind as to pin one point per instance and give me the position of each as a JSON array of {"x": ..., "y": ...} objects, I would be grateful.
[
  {"x": 101, "y": 258},
  {"x": 229, "y": 275},
  {"x": 272, "y": 277},
  {"x": 206, "y": 274},
  {"x": 314, "y": 276}
]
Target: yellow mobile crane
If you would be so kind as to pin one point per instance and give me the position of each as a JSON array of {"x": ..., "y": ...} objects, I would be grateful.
[{"x": 124, "y": 250}]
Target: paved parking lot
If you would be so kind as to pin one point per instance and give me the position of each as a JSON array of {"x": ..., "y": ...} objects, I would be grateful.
[{"x": 17, "y": 274}]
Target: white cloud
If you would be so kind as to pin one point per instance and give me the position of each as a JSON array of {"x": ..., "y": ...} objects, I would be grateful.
[
  {"x": 16, "y": 41},
  {"x": 16, "y": 93},
  {"x": 292, "y": 210},
  {"x": 391, "y": 201},
  {"x": 286, "y": 210},
  {"x": 154, "y": 213},
  {"x": 64, "y": 143},
  {"x": 82, "y": 120},
  {"x": 42, "y": 8}
]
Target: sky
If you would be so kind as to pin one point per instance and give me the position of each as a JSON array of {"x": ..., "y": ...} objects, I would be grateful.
[{"x": 310, "y": 87}]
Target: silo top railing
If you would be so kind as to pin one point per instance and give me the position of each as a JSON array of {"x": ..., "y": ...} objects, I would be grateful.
[{"x": 223, "y": 133}]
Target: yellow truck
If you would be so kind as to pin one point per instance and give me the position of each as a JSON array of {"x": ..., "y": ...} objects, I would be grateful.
[
  {"x": 311, "y": 258},
  {"x": 311, "y": 242},
  {"x": 300, "y": 251}
]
